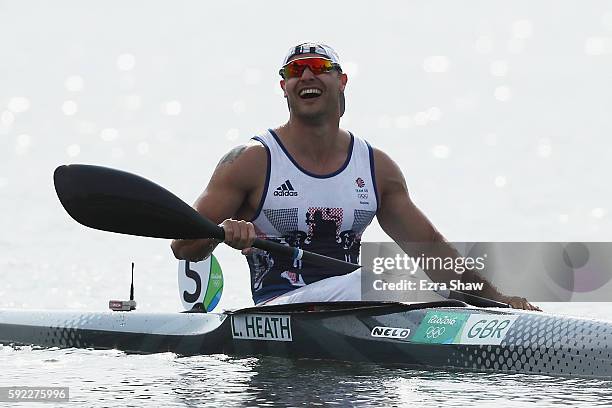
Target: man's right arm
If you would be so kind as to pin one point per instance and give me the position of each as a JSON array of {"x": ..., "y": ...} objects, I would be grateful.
[
  {"x": 405, "y": 223},
  {"x": 239, "y": 173}
]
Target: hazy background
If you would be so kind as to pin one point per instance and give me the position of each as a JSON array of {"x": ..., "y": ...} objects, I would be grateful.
[{"x": 498, "y": 112}]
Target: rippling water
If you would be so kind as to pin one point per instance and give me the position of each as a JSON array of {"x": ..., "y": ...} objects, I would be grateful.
[{"x": 105, "y": 378}]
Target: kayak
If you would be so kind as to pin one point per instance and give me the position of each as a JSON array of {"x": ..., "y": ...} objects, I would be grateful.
[{"x": 437, "y": 335}]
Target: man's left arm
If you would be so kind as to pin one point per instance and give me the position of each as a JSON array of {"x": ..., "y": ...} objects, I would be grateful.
[{"x": 402, "y": 220}]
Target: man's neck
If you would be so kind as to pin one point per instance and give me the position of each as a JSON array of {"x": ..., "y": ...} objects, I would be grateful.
[{"x": 316, "y": 142}]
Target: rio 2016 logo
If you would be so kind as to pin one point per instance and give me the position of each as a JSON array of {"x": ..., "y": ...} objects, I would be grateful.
[{"x": 439, "y": 327}]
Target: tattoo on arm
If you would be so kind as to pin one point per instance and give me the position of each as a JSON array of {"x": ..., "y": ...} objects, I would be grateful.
[{"x": 232, "y": 155}]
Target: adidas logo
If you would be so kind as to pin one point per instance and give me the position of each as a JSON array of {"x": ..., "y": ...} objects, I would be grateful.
[{"x": 285, "y": 190}]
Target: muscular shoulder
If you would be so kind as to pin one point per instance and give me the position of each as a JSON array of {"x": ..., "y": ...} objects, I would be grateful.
[
  {"x": 389, "y": 177},
  {"x": 246, "y": 154},
  {"x": 243, "y": 164}
]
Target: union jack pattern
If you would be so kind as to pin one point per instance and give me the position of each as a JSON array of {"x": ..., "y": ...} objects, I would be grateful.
[
  {"x": 321, "y": 214},
  {"x": 362, "y": 218},
  {"x": 284, "y": 220}
]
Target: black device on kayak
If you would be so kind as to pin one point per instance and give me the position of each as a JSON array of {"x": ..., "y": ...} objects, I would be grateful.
[{"x": 124, "y": 305}]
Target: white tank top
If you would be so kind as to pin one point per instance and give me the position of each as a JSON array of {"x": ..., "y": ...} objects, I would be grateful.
[{"x": 326, "y": 214}]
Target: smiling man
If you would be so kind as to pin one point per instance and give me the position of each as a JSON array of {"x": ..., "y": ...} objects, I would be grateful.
[{"x": 312, "y": 185}]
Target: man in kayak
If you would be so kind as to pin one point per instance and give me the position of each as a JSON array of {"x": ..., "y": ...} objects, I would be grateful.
[{"x": 312, "y": 185}]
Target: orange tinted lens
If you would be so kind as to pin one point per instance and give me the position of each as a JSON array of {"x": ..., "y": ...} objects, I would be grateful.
[{"x": 317, "y": 66}]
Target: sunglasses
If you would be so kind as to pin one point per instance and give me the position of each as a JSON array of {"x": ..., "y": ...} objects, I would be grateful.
[{"x": 295, "y": 68}]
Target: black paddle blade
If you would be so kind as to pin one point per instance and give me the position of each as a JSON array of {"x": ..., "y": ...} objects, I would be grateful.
[{"x": 117, "y": 201}]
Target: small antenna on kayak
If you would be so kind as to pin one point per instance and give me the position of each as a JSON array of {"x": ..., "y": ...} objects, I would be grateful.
[
  {"x": 124, "y": 305},
  {"x": 132, "y": 284}
]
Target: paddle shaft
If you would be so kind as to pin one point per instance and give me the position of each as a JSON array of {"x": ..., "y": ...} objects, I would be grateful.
[
  {"x": 305, "y": 256},
  {"x": 471, "y": 299}
]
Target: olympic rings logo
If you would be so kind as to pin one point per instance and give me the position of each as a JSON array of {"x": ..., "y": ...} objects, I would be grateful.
[{"x": 433, "y": 332}]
